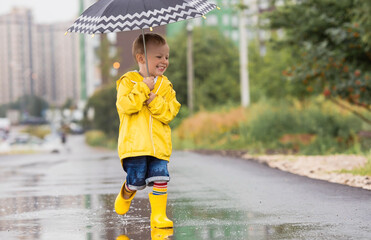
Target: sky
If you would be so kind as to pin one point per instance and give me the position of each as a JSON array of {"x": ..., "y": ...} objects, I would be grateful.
[{"x": 45, "y": 11}]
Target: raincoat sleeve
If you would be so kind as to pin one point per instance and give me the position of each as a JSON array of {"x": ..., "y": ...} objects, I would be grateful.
[
  {"x": 130, "y": 99},
  {"x": 165, "y": 108}
]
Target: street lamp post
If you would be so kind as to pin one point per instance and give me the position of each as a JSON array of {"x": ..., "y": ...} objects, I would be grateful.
[
  {"x": 244, "y": 74},
  {"x": 190, "y": 73}
]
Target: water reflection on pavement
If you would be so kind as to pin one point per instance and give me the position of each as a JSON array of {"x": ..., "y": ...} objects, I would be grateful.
[
  {"x": 92, "y": 217},
  {"x": 71, "y": 196}
]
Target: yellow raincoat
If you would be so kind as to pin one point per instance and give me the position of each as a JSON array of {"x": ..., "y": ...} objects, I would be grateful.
[{"x": 144, "y": 130}]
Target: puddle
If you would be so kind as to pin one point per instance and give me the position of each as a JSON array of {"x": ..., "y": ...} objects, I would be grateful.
[{"x": 92, "y": 217}]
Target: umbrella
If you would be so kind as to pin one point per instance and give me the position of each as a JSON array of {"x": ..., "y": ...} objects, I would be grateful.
[{"x": 108, "y": 16}]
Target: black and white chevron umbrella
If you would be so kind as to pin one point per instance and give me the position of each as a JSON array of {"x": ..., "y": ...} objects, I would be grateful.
[{"x": 107, "y": 16}]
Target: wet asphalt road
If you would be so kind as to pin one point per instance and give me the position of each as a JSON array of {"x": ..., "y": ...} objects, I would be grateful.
[{"x": 70, "y": 196}]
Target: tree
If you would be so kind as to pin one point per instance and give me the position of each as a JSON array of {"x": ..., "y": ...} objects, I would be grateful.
[
  {"x": 3, "y": 109},
  {"x": 266, "y": 80},
  {"x": 107, "y": 58},
  {"x": 31, "y": 104},
  {"x": 216, "y": 68},
  {"x": 69, "y": 104},
  {"x": 363, "y": 18},
  {"x": 105, "y": 114},
  {"x": 333, "y": 45}
]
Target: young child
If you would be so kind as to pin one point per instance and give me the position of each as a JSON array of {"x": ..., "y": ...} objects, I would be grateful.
[{"x": 146, "y": 105}]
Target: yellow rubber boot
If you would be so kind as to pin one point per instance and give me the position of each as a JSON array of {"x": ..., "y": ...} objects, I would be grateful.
[
  {"x": 122, "y": 205},
  {"x": 158, "y": 211},
  {"x": 122, "y": 237},
  {"x": 161, "y": 234}
]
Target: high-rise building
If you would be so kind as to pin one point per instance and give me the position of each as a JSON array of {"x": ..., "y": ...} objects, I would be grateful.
[
  {"x": 17, "y": 56},
  {"x": 38, "y": 59},
  {"x": 58, "y": 71},
  {"x": 90, "y": 75},
  {"x": 227, "y": 19}
]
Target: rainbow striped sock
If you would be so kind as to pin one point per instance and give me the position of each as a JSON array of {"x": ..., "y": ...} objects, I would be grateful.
[
  {"x": 128, "y": 189},
  {"x": 159, "y": 188}
]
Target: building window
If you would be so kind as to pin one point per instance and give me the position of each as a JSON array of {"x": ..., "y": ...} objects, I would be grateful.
[
  {"x": 212, "y": 20},
  {"x": 235, "y": 35},
  {"x": 197, "y": 22},
  {"x": 263, "y": 4},
  {"x": 225, "y": 20},
  {"x": 235, "y": 21}
]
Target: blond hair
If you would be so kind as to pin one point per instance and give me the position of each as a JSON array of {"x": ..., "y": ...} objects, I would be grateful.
[{"x": 138, "y": 46}]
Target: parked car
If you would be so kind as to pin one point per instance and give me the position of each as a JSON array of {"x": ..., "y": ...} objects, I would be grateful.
[
  {"x": 5, "y": 125},
  {"x": 26, "y": 142},
  {"x": 34, "y": 121},
  {"x": 4, "y": 128},
  {"x": 75, "y": 128}
]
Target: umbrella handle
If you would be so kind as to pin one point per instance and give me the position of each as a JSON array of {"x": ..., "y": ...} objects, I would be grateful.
[{"x": 145, "y": 51}]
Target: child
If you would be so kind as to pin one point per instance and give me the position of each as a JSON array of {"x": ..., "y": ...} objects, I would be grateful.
[{"x": 146, "y": 105}]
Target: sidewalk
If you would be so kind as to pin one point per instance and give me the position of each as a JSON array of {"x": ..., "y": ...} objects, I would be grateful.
[{"x": 317, "y": 167}]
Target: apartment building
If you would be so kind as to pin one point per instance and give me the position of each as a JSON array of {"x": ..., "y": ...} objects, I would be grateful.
[
  {"x": 227, "y": 20},
  {"x": 17, "y": 55},
  {"x": 58, "y": 71},
  {"x": 38, "y": 59}
]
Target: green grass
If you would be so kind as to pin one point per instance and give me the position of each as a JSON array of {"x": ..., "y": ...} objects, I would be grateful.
[
  {"x": 38, "y": 131},
  {"x": 263, "y": 126},
  {"x": 97, "y": 138},
  {"x": 361, "y": 171}
]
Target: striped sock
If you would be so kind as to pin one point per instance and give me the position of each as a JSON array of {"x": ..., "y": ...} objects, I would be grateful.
[
  {"x": 127, "y": 193},
  {"x": 159, "y": 188},
  {"x": 128, "y": 189}
]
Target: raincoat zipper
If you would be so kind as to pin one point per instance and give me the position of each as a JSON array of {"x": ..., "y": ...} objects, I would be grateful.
[{"x": 151, "y": 123}]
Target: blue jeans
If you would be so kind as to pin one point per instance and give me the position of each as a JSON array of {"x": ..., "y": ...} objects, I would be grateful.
[{"x": 144, "y": 170}]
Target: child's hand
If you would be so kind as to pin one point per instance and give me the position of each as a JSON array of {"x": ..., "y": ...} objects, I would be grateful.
[
  {"x": 151, "y": 97},
  {"x": 150, "y": 81}
]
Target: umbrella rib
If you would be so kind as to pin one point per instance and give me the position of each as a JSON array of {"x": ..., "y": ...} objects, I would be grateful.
[{"x": 96, "y": 25}]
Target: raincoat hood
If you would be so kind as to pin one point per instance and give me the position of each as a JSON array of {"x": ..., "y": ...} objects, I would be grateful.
[{"x": 133, "y": 76}]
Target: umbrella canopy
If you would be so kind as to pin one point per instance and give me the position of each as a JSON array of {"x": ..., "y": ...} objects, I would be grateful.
[{"x": 107, "y": 16}]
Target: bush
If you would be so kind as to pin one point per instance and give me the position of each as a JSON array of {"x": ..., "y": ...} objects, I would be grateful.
[
  {"x": 38, "y": 131},
  {"x": 334, "y": 131},
  {"x": 106, "y": 118},
  {"x": 206, "y": 127},
  {"x": 182, "y": 114},
  {"x": 315, "y": 127},
  {"x": 98, "y": 138}
]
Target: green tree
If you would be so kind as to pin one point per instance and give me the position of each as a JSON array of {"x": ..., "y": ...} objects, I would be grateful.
[
  {"x": 107, "y": 57},
  {"x": 105, "y": 114},
  {"x": 216, "y": 68},
  {"x": 69, "y": 103},
  {"x": 31, "y": 104},
  {"x": 3, "y": 109},
  {"x": 334, "y": 47},
  {"x": 268, "y": 73},
  {"x": 363, "y": 18}
]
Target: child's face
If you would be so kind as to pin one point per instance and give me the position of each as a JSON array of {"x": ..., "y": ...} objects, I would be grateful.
[{"x": 158, "y": 59}]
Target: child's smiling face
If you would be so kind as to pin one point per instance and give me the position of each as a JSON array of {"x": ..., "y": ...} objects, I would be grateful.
[{"x": 158, "y": 59}]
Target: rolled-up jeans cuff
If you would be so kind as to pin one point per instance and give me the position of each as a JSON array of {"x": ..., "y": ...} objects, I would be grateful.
[
  {"x": 132, "y": 187},
  {"x": 157, "y": 178}
]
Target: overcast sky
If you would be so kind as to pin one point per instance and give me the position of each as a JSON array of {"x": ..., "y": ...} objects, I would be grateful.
[{"x": 45, "y": 11}]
